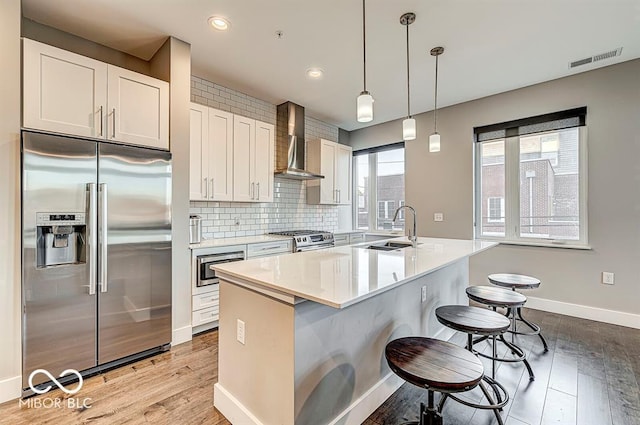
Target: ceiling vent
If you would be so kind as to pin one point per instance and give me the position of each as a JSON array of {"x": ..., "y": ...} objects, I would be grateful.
[{"x": 596, "y": 58}]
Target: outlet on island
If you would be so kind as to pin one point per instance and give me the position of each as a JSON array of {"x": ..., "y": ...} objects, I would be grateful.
[{"x": 240, "y": 331}]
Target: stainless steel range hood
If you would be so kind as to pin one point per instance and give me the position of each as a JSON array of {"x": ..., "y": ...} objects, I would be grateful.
[{"x": 290, "y": 143}]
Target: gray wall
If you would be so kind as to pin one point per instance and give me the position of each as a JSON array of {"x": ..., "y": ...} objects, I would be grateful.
[{"x": 443, "y": 182}]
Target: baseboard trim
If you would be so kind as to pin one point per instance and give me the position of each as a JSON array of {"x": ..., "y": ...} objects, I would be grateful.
[
  {"x": 180, "y": 335},
  {"x": 10, "y": 388},
  {"x": 368, "y": 402},
  {"x": 231, "y": 408},
  {"x": 585, "y": 312}
]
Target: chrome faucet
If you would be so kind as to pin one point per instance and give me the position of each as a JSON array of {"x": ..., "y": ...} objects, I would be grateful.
[{"x": 413, "y": 238}]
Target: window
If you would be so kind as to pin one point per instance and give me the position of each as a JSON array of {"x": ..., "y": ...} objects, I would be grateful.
[
  {"x": 496, "y": 209},
  {"x": 531, "y": 180},
  {"x": 379, "y": 187}
]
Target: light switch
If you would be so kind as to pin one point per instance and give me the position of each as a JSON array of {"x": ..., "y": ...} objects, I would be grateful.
[
  {"x": 240, "y": 332},
  {"x": 438, "y": 217}
]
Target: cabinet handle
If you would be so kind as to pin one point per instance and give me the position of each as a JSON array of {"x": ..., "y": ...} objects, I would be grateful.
[
  {"x": 252, "y": 190},
  {"x": 206, "y": 188},
  {"x": 114, "y": 124},
  {"x": 211, "y": 181},
  {"x": 339, "y": 196},
  {"x": 101, "y": 121},
  {"x": 258, "y": 184}
]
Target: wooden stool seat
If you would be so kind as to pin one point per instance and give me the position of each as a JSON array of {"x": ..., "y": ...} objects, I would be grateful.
[
  {"x": 433, "y": 364},
  {"x": 496, "y": 297},
  {"x": 443, "y": 367},
  {"x": 514, "y": 281},
  {"x": 472, "y": 320}
]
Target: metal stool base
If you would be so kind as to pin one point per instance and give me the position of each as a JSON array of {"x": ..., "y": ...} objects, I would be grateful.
[{"x": 533, "y": 326}]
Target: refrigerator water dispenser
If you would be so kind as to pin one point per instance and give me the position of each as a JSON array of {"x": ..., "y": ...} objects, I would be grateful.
[{"x": 61, "y": 239}]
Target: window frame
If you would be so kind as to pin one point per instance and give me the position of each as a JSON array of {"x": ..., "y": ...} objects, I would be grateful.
[
  {"x": 372, "y": 194},
  {"x": 512, "y": 196},
  {"x": 501, "y": 218}
]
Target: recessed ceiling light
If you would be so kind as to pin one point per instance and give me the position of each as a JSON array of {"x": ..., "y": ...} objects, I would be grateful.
[
  {"x": 315, "y": 73},
  {"x": 220, "y": 23}
]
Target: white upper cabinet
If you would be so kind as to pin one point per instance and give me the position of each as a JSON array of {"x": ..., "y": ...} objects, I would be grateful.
[
  {"x": 333, "y": 161},
  {"x": 63, "y": 92},
  {"x": 211, "y": 153},
  {"x": 199, "y": 153},
  {"x": 138, "y": 108},
  {"x": 220, "y": 155},
  {"x": 253, "y": 161},
  {"x": 343, "y": 163},
  {"x": 68, "y": 93},
  {"x": 264, "y": 162}
]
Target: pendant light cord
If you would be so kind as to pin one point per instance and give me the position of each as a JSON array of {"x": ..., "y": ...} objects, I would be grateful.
[
  {"x": 435, "y": 101},
  {"x": 408, "y": 88},
  {"x": 364, "y": 45}
]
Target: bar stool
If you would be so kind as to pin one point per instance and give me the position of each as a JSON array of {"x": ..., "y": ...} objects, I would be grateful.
[
  {"x": 438, "y": 366},
  {"x": 519, "y": 281},
  {"x": 498, "y": 297}
]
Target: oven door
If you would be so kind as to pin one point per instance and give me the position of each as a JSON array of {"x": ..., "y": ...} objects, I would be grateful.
[
  {"x": 206, "y": 276},
  {"x": 313, "y": 247}
]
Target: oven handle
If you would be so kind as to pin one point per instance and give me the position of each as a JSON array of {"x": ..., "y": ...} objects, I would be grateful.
[
  {"x": 313, "y": 248},
  {"x": 214, "y": 258}
]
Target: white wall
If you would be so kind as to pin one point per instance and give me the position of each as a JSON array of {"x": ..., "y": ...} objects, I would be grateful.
[
  {"x": 10, "y": 335},
  {"x": 443, "y": 182}
]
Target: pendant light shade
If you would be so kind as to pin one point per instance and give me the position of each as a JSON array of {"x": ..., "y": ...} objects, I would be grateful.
[
  {"x": 409, "y": 129},
  {"x": 365, "y": 107},
  {"x": 409, "y": 124},
  {"x": 434, "y": 139},
  {"x": 365, "y": 100},
  {"x": 434, "y": 143}
]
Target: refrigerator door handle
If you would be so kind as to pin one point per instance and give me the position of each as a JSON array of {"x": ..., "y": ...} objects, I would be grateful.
[
  {"x": 103, "y": 237},
  {"x": 92, "y": 231}
]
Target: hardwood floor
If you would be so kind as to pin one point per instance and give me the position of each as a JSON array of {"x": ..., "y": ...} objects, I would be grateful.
[{"x": 589, "y": 376}]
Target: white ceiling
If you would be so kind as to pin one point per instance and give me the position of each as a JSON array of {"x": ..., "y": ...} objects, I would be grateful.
[{"x": 491, "y": 46}]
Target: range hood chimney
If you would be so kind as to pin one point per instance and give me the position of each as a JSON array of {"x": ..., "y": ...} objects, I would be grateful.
[{"x": 290, "y": 144}]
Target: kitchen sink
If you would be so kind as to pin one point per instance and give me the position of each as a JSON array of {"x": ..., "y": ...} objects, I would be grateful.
[{"x": 389, "y": 246}]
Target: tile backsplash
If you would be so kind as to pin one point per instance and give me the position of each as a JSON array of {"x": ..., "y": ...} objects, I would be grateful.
[{"x": 289, "y": 209}]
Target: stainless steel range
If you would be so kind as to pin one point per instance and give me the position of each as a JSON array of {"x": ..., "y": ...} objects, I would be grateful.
[{"x": 307, "y": 240}]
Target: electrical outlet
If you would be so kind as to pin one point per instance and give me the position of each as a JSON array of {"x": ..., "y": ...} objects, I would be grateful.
[
  {"x": 424, "y": 293},
  {"x": 237, "y": 219},
  {"x": 240, "y": 332},
  {"x": 608, "y": 278},
  {"x": 438, "y": 217}
]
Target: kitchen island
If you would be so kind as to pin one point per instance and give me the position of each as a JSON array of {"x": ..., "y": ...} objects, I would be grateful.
[{"x": 302, "y": 335}]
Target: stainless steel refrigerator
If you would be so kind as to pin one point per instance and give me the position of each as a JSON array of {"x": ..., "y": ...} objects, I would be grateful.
[{"x": 96, "y": 254}]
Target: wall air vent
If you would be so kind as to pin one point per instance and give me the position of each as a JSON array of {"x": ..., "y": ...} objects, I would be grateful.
[{"x": 596, "y": 58}]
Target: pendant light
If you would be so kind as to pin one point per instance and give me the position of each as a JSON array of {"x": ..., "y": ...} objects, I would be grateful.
[
  {"x": 434, "y": 139},
  {"x": 409, "y": 123},
  {"x": 365, "y": 100}
]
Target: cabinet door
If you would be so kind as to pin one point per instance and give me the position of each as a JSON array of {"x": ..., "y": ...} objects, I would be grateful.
[
  {"x": 343, "y": 174},
  {"x": 138, "y": 109},
  {"x": 243, "y": 158},
  {"x": 199, "y": 153},
  {"x": 63, "y": 92},
  {"x": 264, "y": 161},
  {"x": 220, "y": 155},
  {"x": 328, "y": 193}
]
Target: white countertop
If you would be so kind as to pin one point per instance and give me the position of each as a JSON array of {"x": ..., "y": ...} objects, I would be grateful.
[
  {"x": 342, "y": 276},
  {"x": 243, "y": 240}
]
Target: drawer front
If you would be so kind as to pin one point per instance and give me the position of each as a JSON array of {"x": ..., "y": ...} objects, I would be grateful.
[
  {"x": 210, "y": 299},
  {"x": 356, "y": 238},
  {"x": 269, "y": 248},
  {"x": 206, "y": 315},
  {"x": 341, "y": 239}
]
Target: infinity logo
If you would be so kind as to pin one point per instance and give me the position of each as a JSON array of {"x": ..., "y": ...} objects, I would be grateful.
[{"x": 52, "y": 378}]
